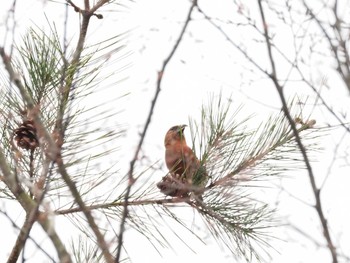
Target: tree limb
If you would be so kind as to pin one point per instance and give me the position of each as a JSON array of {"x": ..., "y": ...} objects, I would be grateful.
[
  {"x": 131, "y": 179},
  {"x": 279, "y": 88}
]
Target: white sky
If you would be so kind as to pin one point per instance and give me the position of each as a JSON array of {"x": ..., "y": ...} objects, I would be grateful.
[{"x": 205, "y": 63}]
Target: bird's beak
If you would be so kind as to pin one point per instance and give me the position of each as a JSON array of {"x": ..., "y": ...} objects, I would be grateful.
[{"x": 182, "y": 127}]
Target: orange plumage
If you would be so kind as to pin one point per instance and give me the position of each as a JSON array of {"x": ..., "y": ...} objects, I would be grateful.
[
  {"x": 182, "y": 163},
  {"x": 179, "y": 158}
]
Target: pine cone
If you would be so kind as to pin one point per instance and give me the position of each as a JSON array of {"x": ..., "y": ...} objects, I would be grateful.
[{"x": 26, "y": 136}]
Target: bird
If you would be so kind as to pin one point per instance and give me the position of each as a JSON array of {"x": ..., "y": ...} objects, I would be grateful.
[{"x": 186, "y": 173}]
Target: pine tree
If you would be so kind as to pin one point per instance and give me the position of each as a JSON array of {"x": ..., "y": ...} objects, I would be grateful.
[{"x": 49, "y": 157}]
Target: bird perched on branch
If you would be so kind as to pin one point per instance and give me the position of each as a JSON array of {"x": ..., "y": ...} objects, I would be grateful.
[{"x": 186, "y": 173}]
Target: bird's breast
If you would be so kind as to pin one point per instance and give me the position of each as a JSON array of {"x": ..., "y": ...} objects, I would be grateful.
[{"x": 173, "y": 159}]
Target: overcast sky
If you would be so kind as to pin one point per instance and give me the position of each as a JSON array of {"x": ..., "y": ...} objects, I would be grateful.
[{"x": 204, "y": 64}]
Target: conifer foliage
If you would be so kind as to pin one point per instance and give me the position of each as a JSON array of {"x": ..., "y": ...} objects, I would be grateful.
[{"x": 59, "y": 160}]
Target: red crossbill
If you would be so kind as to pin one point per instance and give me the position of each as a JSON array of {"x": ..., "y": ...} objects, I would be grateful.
[{"x": 186, "y": 173}]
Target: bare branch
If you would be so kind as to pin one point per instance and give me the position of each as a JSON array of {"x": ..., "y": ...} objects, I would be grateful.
[
  {"x": 76, "y": 8},
  {"x": 143, "y": 134},
  {"x": 10, "y": 14},
  {"x": 251, "y": 60},
  {"x": 279, "y": 88},
  {"x": 239, "y": 48},
  {"x": 335, "y": 48}
]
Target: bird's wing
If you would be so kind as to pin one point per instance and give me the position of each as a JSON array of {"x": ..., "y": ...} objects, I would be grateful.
[{"x": 195, "y": 171}]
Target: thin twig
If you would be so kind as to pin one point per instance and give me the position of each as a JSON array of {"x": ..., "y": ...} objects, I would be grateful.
[
  {"x": 29, "y": 205},
  {"x": 60, "y": 247},
  {"x": 306, "y": 235},
  {"x": 29, "y": 237},
  {"x": 238, "y": 47},
  {"x": 60, "y": 129},
  {"x": 324, "y": 103},
  {"x": 335, "y": 155},
  {"x": 23, "y": 235},
  {"x": 31, "y": 218},
  {"x": 10, "y": 13},
  {"x": 279, "y": 88},
  {"x": 334, "y": 47},
  {"x": 31, "y": 163},
  {"x": 251, "y": 60},
  {"x": 131, "y": 179},
  {"x": 97, "y": 6},
  {"x": 12, "y": 183},
  {"x": 76, "y": 8},
  {"x": 163, "y": 201}
]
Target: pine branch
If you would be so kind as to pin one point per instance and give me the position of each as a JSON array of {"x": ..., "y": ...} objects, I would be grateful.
[
  {"x": 223, "y": 142},
  {"x": 53, "y": 150},
  {"x": 151, "y": 202},
  {"x": 74, "y": 63},
  {"x": 280, "y": 91},
  {"x": 229, "y": 216},
  {"x": 252, "y": 161},
  {"x": 237, "y": 225}
]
